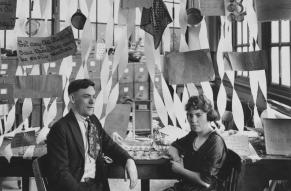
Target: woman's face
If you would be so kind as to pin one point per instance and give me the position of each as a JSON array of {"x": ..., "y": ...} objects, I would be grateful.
[{"x": 197, "y": 119}]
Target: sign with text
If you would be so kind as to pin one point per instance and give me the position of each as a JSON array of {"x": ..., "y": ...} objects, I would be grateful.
[
  {"x": 39, "y": 50},
  {"x": 7, "y": 14}
]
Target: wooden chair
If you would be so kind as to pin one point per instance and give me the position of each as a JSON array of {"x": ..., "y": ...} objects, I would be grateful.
[
  {"x": 39, "y": 171},
  {"x": 230, "y": 171}
]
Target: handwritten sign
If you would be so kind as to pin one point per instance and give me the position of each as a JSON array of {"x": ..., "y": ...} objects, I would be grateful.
[
  {"x": 7, "y": 14},
  {"x": 39, "y": 50}
]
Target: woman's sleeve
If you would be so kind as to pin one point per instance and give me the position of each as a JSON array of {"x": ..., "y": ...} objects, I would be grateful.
[
  {"x": 182, "y": 143},
  {"x": 213, "y": 158}
]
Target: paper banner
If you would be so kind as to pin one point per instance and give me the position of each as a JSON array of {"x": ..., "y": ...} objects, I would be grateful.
[
  {"x": 117, "y": 120},
  {"x": 125, "y": 4},
  {"x": 212, "y": 7},
  {"x": 245, "y": 61},
  {"x": 193, "y": 66},
  {"x": 37, "y": 50},
  {"x": 7, "y": 14},
  {"x": 270, "y": 10},
  {"x": 38, "y": 86}
]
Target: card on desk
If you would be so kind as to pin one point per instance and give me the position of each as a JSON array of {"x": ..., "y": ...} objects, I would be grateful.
[{"x": 23, "y": 139}]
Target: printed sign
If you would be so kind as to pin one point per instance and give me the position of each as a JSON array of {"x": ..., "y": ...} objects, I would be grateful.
[
  {"x": 7, "y": 14},
  {"x": 39, "y": 50}
]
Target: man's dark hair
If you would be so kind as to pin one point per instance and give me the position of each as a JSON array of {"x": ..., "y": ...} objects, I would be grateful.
[{"x": 79, "y": 84}]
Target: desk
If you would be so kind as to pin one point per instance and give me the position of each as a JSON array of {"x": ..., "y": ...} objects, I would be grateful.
[{"x": 254, "y": 175}]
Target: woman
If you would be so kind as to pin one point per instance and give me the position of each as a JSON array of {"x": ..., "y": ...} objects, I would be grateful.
[{"x": 198, "y": 157}]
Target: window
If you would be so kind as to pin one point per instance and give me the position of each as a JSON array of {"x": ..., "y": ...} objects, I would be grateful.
[{"x": 279, "y": 75}]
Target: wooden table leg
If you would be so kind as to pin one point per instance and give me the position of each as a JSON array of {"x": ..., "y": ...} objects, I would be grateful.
[
  {"x": 25, "y": 183},
  {"x": 145, "y": 185}
]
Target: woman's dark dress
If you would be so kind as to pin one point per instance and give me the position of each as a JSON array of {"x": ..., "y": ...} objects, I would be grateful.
[{"x": 207, "y": 161}]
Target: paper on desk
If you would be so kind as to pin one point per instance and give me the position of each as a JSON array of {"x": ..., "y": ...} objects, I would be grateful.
[
  {"x": 238, "y": 143},
  {"x": 7, "y": 152},
  {"x": 173, "y": 132}
]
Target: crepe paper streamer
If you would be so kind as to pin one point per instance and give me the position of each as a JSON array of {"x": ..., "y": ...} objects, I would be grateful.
[
  {"x": 203, "y": 35},
  {"x": 179, "y": 110},
  {"x": 192, "y": 89},
  {"x": 7, "y": 152},
  {"x": 252, "y": 21},
  {"x": 185, "y": 96},
  {"x": 219, "y": 55},
  {"x": 66, "y": 98},
  {"x": 44, "y": 7},
  {"x": 66, "y": 67},
  {"x": 35, "y": 70},
  {"x": 28, "y": 154},
  {"x": 104, "y": 75},
  {"x": 166, "y": 40},
  {"x": 207, "y": 90},
  {"x": 245, "y": 61},
  {"x": 106, "y": 91},
  {"x": 194, "y": 41},
  {"x": 257, "y": 119},
  {"x": 183, "y": 26},
  {"x": 10, "y": 119},
  {"x": 26, "y": 108},
  {"x": 46, "y": 67},
  {"x": 1, "y": 139},
  {"x": 86, "y": 40},
  {"x": 52, "y": 112},
  {"x": 237, "y": 112},
  {"x": 168, "y": 101},
  {"x": 261, "y": 75},
  {"x": 110, "y": 25},
  {"x": 160, "y": 107},
  {"x": 212, "y": 7},
  {"x": 89, "y": 5},
  {"x": 86, "y": 72},
  {"x": 112, "y": 99},
  {"x": 254, "y": 84},
  {"x": 230, "y": 75},
  {"x": 98, "y": 108},
  {"x": 4, "y": 110},
  {"x": 121, "y": 52},
  {"x": 192, "y": 66},
  {"x": 270, "y": 10},
  {"x": 221, "y": 100},
  {"x": 42, "y": 135}
]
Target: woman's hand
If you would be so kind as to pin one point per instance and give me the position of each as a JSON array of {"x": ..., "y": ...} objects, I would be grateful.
[
  {"x": 130, "y": 167},
  {"x": 177, "y": 167}
]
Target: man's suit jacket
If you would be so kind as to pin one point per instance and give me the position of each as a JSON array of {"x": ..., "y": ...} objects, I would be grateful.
[{"x": 66, "y": 155}]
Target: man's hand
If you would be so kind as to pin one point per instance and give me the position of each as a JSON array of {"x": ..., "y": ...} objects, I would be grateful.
[{"x": 132, "y": 172}]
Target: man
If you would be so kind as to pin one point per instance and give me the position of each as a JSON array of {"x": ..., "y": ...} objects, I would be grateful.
[{"x": 76, "y": 144}]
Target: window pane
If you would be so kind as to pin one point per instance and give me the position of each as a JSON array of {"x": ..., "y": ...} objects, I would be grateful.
[
  {"x": 245, "y": 49},
  {"x": 275, "y": 31},
  {"x": 275, "y": 65},
  {"x": 245, "y": 74},
  {"x": 238, "y": 33},
  {"x": 285, "y": 31},
  {"x": 285, "y": 60},
  {"x": 245, "y": 32},
  {"x": 239, "y": 73},
  {"x": 239, "y": 49}
]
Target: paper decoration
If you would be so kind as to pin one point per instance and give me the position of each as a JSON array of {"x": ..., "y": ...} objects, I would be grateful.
[
  {"x": 125, "y": 4},
  {"x": 7, "y": 14},
  {"x": 237, "y": 112},
  {"x": 98, "y": 108},
  {"x": 38, "y": 50},
  {"x": 10, "y": 119},
  {"x": 271, "y": 10},
  {"x": 212, "y": 7},
  {"x": 1, "y": 139},
  {"x": 203, "y": 35},
  {"x": 38, "y": 86},
  {"x": 234, "y": 10},
  {"x": 245, "y": 61},
  {"x": 117, "y": 120},
  {"x": 193, "y": 66},
  {"x": 86, "y": 40},
  {"x": 221, "y": 100},
  {"x": 194, "y": 41},
  {"x": 192, "y": 89},
  {"x": 183, "y": 26},
  {"x": 238, "y": 143},
  {"x": 26, "y": 110},
  {"x": 7, "y": 152},
  {"x": 23, "y": 139},
  {"x": 28, "y": 154},
  {"x": 180, "y": 111},
  {"x": 110, "y": 25},
  {"x": 112, "y": 99},
  {"x": 160, "y": 107},
  {"x": 207, "y": 90}
]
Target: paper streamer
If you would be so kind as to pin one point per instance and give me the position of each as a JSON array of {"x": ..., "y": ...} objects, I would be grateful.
[
  {"x": 166, "y": 40},
  {"x": 185, "y": 96},
  {"x": 183, "y": 26},
  {"x": 251, "y": 18},
  {"x": 160, "y": 107},
  {"x": 194, "y": 41},
  {"x": 221, "y": 100},
  {"x": 28, "y": 154},
  {"x": 89, "y": 5},
  {"x": 179, "y": 110},
  {"x": 112, "y": 99},
  {"x": 220, "y": 48},
  {"x": 237, "y": 112},
  {"x": 203, "y": 35},
  {"x": 1, "y": 139},
  {"x": 86, "y": 40},
  {"x": 66, "y": 66},
  {"x": 207, "y": 90},
  {"x": 7, "y": 152},
  {"x": 110, "y": 25},
  {"x": 66, "y": 98},
  {"x": 10, "y": 119},
  {"x": 98, "y": 108},
  {"x": 42, "y": 135},
  {"x": 193, "y": 91},
  {"x": 44, "y": 7},
  {"x": 104, "y": 75},
  {"x": 26, "y": 108},
  {"x": 52, "y": 112}
]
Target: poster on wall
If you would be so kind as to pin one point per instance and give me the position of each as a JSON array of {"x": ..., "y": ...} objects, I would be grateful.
[
  {"x": 7, "y": 14},
  {"x": 38, "y": 50}
]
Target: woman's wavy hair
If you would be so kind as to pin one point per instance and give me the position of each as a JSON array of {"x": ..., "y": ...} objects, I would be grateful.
[{"x": 203, "y": 103}]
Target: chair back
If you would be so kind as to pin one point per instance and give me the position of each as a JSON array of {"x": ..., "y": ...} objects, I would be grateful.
[
  {"x": 230, "y": 171},
  {"x": 39, "y": 171}
]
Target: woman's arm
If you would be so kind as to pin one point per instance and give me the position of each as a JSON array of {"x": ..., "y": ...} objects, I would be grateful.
[
  {"x": 188, "y": 174},
  {"x": 174, "y": 154}
]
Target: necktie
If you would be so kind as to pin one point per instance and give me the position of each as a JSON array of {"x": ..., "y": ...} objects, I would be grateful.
[{"x": 93, "y": 139}]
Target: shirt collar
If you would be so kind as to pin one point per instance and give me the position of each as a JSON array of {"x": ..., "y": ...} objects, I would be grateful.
[{"x": 79, "y": 117}]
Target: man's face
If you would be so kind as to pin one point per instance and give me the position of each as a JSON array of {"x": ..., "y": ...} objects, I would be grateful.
[{"x": 83, "y": 101}]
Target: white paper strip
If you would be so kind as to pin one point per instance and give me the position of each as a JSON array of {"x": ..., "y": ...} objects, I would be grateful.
[
  {"x": 110, "y": 25},
  {"x": 251, "y": 18},
  {"x": 112, "y": 99},
  {"x": 166, "y": 40},
  {"x": 28, "y": 154},
  {"x": 66, "y": 98},
  {"x": 98, "y": 108},
  {"x": 1, "y": 139},
  {"x": 183, "y": 26},
  {"x": 7, "y": 152},
  {"x": 207, "y": 90},
  {"x": 160, "y": 107},
  {"x": 203, "y": 35},
  {"x": 237, "y": 112},
  {"x": 42, "y": 135},
  {"x": 257, "y": 119},
  {"x": 86, "y": 40},
  {"x": 192, "y": 89},
  {"x": 185, "y": 96},
  {"x": 104, "y": 75},
  {"x": 26, "y": 108},
  {"x": 221, "y": 100},
  {"x": 10, "y": 119},
  {"x": 194, "y": 41},
  {"x": 180, "y": 111}
]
